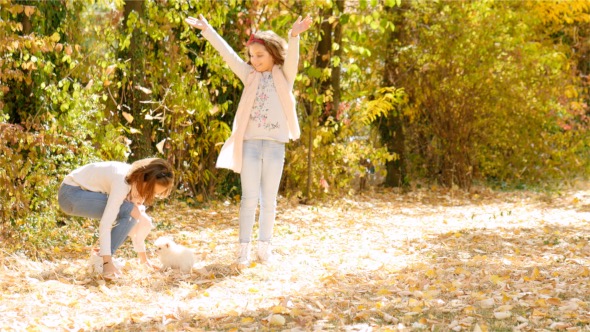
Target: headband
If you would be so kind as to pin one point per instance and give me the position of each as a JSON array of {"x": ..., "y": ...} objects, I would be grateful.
[{"x": 254, "y": 40}]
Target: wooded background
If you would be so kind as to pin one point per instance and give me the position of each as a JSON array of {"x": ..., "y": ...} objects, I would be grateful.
[{"x": 453, "y": 93}]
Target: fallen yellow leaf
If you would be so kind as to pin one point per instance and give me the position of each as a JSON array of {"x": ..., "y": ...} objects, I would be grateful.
[
  {"x": 383, "y": 291},
  {"x": 495, "y": 279},
  {"x": 279, "y": 309},
  {"x": 541, "y": 303},
  {"x": 431, "y": 273}
]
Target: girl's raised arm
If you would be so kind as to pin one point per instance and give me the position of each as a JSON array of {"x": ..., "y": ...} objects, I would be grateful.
[
  {"x": 301, "y": 25},
  {"x": 292, "y": 57},
  {"x": 233, "y": 60},
  {"x": 197, "y": 23}
]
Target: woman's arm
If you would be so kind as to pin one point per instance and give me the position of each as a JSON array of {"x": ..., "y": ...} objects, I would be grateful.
[{"x": 115, "y": 200}]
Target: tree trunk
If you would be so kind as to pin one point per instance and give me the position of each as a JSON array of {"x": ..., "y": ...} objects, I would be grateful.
[
  {"x": 141, "y": 146},
  {"x": 336, "y": 69},
  {"x": 322, "y": 61},
  {"x": 323, "y": 57},
  {"x": 391, "y": 128}
]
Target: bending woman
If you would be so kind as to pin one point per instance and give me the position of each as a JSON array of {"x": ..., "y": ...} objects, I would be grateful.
[{"x": 115, "y": 192}]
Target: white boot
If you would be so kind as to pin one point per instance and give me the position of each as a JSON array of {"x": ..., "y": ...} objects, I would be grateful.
[
  {"x": 243, "y": 254},
  {"x": 264, "y": 251}
]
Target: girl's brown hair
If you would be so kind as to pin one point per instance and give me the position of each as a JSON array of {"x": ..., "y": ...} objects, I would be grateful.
[
  {"x": 146, "y": 173},
  {"x": 275, "y": 45}
]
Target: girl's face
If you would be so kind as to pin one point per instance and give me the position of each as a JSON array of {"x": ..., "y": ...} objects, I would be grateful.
[{"x": 260, "y": 59}]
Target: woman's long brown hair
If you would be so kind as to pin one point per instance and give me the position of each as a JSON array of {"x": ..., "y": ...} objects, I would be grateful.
[{"x": 146, "y": 173}]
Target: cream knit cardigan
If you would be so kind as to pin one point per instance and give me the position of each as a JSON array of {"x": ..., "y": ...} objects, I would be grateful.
[{"x": 283, "y": 76}]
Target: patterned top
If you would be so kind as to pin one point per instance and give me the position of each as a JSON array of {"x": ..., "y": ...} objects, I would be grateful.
[{"x": 267, "y": 118}]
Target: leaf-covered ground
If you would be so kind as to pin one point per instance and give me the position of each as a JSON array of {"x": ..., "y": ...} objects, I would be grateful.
[{"x": 382, "y": 261}]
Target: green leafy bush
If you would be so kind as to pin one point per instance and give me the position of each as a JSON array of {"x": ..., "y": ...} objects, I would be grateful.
[{"x": 487, "y": 95}]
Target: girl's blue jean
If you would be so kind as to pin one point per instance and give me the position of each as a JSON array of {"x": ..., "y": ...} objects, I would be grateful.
[
  {"x": 78, "y": 202},
  {"x": 262, "y": 168}
]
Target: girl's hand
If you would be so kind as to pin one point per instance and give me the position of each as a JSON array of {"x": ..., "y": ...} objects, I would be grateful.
[
  {"x": 198, "y": 23},
  {"x": 144, "y": 218},
  {"x": 143, "y": 259},
  {"x": 300, "y": 26}
]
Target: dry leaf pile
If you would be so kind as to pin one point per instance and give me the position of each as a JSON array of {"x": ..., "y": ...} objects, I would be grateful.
[{"x": 428, "y": 260}]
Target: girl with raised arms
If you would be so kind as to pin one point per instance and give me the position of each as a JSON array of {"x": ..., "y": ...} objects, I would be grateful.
[{"x": 266, "y": 119}]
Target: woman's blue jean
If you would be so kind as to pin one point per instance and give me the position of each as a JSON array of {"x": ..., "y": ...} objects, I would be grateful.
[
  {"x": 76, "y": 201},
  {"x": 262, "y": 168}
]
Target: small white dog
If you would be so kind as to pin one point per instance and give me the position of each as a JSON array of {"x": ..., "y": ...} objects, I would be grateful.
[{"x": 174, "y": 255}]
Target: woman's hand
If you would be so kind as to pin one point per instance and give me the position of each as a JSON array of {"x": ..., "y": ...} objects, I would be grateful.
[
  {"x": 109, "y": 270},
  {"x": 301, "y": 25},
  {"x": 198, "y": 23}
]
